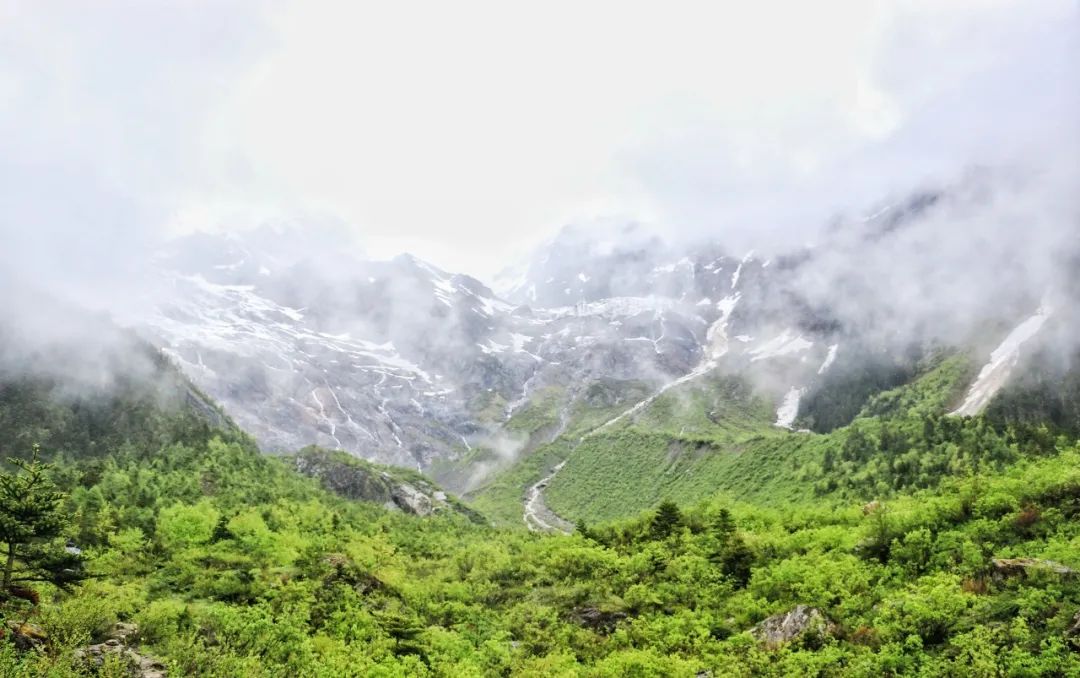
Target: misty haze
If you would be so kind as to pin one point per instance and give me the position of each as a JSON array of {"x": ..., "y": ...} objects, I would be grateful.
[{"x": 594, "y": 339}]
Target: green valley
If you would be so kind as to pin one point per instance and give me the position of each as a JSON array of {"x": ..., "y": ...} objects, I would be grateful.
[{"x": 915, "y": 543}]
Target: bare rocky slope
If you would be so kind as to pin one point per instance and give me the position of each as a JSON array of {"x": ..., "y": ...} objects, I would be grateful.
[{"x": 402, "y": 363}]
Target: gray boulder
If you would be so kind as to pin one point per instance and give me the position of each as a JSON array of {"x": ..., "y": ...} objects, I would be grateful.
[
  {"x": 803, "y": 622},
  {"x": 1010, "y": 567}
]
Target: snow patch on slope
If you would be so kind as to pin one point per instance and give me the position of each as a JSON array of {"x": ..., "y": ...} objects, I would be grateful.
[
  {"x": 716, "y": 336},
  {"x": 612, "y": 307},
  {"x": 789, "y": 408},
  {"x": 784, "y": 344},
  {"x": 829, "y": 359},
  {"x": 995, "y": 373},
  {"x": 716, "y": 347}
]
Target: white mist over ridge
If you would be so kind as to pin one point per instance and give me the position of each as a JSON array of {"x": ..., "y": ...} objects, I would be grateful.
[
  {"x": 736, "y": 127},
  {"x": 403, "y": 362}
]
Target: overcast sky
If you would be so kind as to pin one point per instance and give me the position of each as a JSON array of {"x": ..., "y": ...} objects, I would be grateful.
[{"x": 466, "y": 131}]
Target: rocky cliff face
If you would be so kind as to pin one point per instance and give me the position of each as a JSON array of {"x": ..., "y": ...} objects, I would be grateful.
[
  {"x": 403, "y": 363},
  {"x": 396, "y": 361}
]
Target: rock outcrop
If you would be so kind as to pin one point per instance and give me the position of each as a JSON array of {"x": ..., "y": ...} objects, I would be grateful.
[
  {"x": 1072, "y": 634},
  {"x": 802, "y": 623},
  {"x": 359, "y": 480},
  {"x": 1011, "y": 567},
  {"x": 27, "y": 636},
  {"x": 121, "y": 643},
  {"x": 601, "y": 621}
]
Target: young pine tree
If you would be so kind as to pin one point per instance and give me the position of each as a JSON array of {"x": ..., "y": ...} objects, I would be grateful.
[
  {"x": 665, "y": 521},
  {"x": 31, "y": 519}
]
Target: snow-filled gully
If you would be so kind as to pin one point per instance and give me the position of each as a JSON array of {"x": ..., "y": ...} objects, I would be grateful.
[{"x": 995, "y": 373}]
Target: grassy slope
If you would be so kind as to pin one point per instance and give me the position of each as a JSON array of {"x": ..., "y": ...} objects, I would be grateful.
[
  {"x": 499, "y": 497},
  {"x": 712, "y": 436}
]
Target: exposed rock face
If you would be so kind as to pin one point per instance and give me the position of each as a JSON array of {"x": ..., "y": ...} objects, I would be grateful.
[
  {"x": 598, "y": 620},
  {"x": 358, "y": 480},
  {"x": 803, "y": 622},
  {"x": 1010, "y": 567},
  {"x": 402, "y": 363},
  {"x": 121, "y": 643},
  {"x": 411, "y": 500},
  {"x": 27, "y": 636}
]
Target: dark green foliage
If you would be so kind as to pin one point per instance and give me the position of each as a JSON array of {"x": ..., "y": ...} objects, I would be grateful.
[
  {"x": 1047, "y": 394},
  {"x": 31, "y": 519},
  {"x": 847, "y": 386},
  {"x": 665, "y": 521},
  {"x": 723, "y": 524},
  {"x": 144, "y": 412}
]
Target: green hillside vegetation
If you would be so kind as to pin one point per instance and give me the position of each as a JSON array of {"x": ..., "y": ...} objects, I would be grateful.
[
  {"x": 843, "y": 391},
  {"x": 1047, "y": 392},
  {"x": 714, "y": 436},
  {"x": 938, "y": 387},
  {"x": 549, "y": 430},
  {"x": 231, "y": 563},
  {"x": 144, "y": 408}
]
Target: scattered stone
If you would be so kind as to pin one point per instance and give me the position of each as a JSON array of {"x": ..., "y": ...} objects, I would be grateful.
[
  {"x": 117, "y": 645},
  {"x": 1009, "y": 567},
  {"x": 124, "y": 632},
  {"x": 799, "y": 622},
  {"x": 337, "y": 560}
]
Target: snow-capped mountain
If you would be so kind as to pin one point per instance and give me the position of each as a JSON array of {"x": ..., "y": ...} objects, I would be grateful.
[
  {"x": 401, "y": 362},
  {"x": 396, "y": 361}
]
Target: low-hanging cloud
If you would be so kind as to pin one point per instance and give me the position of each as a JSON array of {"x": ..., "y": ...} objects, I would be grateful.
[
  {"x": 120, "y": 123},
  {"x": 984, "y": 119},
  {"x": 102, "y": 110},
  {"x": 975, "y": 85}
]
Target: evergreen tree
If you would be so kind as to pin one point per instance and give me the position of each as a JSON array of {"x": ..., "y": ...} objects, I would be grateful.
[
  {"x": 667, "y": 518},
  {"x": 582, "y": 528},
  {"x": 724, "y": 525},
  {"x": 31, "y": 518},
  {"x": 737, "y": 560}
]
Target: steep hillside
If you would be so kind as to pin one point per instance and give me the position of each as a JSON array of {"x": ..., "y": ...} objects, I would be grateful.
[
  {"x": 713, "y": 435},
  {"x": 78, "y": 385},
  {"x": 117, "y": 395},
  {"x": 400, "y": 362}
]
